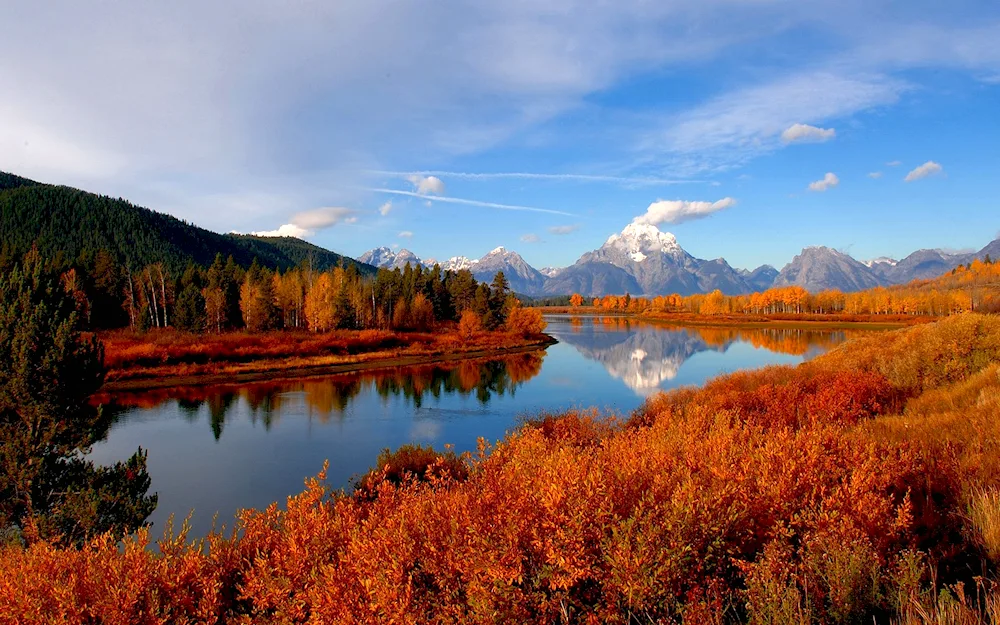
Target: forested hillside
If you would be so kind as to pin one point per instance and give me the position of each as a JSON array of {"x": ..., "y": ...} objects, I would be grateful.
[{"x": 71, "y": 224}]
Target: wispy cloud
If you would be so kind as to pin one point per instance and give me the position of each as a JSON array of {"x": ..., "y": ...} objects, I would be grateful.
[
  {"x": 875, "y": 175},
  {"x": 562, "y": 230},
  {"x": 829, "y": 181},
  {"x": 513, "y": 175},
  {"x": 804, "y": 133},
  {"x": 455, "y": 200},
  {"x": 678, "y": 211},
  {"x": 742, "y": 124},
  {"x": 405, "y": 234},
  {"x": 930, "y": 168},
  {"x": 894, "y": 163},
  {"x": 385, "y": 209},
  {"x": 530, "y": 238}
]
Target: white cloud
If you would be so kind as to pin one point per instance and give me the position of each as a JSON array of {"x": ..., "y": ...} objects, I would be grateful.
[
  {"x": 530, "y": 238},
  {"x": 804, "y": 133},
  {"x": 875, "y": 175},
  {"x": 306, "y": 223},
  {"x": 320, "y": 218},
  {"x": 930, "y": 168},
  {"x": 286, "y": 230},
  {"x": 426, "y": 185},
  {"x": 677, "y": 211},
  {"x": 405, "y": 234},
  {"x": 829, "y": 181},
  {"x": 385, "y": 208},
  {"x": 568, "y": 229}
]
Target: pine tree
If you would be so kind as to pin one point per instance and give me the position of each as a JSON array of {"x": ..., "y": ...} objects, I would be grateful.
[{"x": 48, "y": 489}]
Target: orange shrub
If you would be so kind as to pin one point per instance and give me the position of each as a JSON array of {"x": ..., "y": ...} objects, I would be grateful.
[
  {"x": 470, "y": 324},
  {"x": 783, "y": 495},
  {"x": 525, "y": 321}
]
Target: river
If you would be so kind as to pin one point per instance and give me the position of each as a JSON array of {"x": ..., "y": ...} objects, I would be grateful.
[{"x": 214, "y": 450}]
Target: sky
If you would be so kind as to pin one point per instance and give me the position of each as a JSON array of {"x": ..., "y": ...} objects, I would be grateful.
[{"x": 748, "y": 128}]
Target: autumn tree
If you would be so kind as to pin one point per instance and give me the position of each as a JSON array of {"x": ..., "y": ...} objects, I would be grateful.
[
  {"x": 257, "y": 300},
  {"x": 576, "y": 300},
  {"x": 319, "y": 306}
]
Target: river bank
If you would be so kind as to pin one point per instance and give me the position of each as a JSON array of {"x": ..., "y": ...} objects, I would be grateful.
[{"x": 167, "y": 359}]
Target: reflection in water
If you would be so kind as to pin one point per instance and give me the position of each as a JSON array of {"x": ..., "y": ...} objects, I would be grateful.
[
  {"x": 328, "y": 398},
  {"x": 218, "y": 449},
  {"x": 644, "y": 355}
]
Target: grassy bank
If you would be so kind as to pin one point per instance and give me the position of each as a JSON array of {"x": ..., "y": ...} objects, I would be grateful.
[
  {"x": 787, "y": 320},
  {"x": 170, "y": 358},
  {"x": 859, "y": 487}
]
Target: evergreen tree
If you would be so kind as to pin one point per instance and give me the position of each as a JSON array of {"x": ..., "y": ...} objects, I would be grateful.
[{"x": 48, "y": 489}]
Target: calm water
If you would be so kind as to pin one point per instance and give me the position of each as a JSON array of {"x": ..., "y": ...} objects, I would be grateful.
[{"x": 215, "y": 450}]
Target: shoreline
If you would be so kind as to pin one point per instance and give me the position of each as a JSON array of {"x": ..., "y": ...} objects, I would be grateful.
[
  {"x": 871, "y": 322},
  {"x": 392, "y": 361}
]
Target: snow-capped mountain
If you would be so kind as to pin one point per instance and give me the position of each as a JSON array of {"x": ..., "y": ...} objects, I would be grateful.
[
  {"x": 642, "y": 260},
  {"x": 881, "y": 260},
  {"x": 523, "y": 278},
  {"x": 386, "y": 258},
  {"x": 655, "y": 262}
]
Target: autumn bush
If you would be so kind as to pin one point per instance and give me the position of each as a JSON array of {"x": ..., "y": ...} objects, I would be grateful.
[
  {"x": 855, "y": 487},
  {"x": 470, "y": 324},
  {"x": 525, "y": 321}
]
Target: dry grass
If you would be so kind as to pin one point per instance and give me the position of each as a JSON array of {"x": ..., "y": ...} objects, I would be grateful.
[{"x": 171, "y": 354}]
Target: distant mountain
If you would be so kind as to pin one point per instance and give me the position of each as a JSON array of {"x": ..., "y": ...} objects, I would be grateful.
[
  {"x": 992, "y": 250},
  {"x": 385, "y": 258},
  {"x": 656, "y": 263},
  {"x": 592, "y": 280},
  {"x": 819, "y": 268},
  {"x": 550, "y": 272},
  {"x": 921, "y": 265},
  {"x": 523, "y": 277},
  {"x": 70, "y": 222},
  {"x": 762, "y": 278}
]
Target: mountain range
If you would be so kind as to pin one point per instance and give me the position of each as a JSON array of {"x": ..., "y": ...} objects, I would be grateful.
[
  {"x": 643, "y": 260},
  {"x": 640, "y": 259}
]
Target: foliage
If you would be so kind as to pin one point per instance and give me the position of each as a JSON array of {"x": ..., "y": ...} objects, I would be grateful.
[
  {"x": 525, "y": 321},
  {"x": 411, "y": 464},
  {"x": 48, "y": 490}
]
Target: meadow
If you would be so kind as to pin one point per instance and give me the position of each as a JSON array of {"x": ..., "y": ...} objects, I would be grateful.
[{"x": 862, "y": 486}]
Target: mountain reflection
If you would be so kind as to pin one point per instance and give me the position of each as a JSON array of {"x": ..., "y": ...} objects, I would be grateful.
[
  {"x": 328, "y": 398},
  {"x": 644, "y": 356}
]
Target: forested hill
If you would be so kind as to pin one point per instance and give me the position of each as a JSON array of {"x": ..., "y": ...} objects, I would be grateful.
[{"x": 71, "y": 223}]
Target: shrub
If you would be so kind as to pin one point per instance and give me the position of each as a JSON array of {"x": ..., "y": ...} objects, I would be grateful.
[
  {"x": 411, "y": 464},
  {"x": 525, "y": 321},
  {"x": 470, "y": 324}
]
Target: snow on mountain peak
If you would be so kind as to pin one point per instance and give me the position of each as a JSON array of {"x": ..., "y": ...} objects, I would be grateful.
[
  {"x": 498, "y": 250},
  {"x": 639, "y": 240},
  {"x": 882, "y": 260}
]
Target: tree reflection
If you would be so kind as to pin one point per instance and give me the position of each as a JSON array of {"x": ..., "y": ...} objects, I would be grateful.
[{"x": 328, "y": 398}]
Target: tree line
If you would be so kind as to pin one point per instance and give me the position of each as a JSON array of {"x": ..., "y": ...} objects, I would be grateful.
[
  {"x": 971, "y": 287},
  {"x": 226, "y": 296}
]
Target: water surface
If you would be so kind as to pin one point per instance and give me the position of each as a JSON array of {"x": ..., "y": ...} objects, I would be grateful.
[{"x": 219, "y": 449}]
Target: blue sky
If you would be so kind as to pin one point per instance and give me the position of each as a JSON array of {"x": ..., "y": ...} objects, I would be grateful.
[{"x": 451, "y": 128}]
